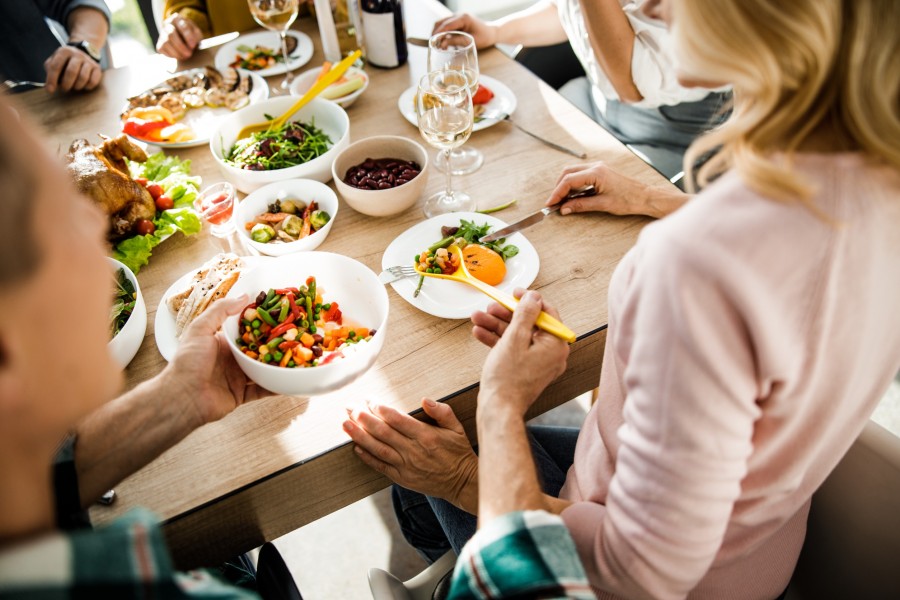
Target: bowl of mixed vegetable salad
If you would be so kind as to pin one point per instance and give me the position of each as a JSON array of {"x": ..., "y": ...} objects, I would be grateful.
[
  {"x": 128, "y": 314},
  {"x": 304, "y": 147},
  {"x": 314, "y": 323},
  {"x": 287, "y": 216}
]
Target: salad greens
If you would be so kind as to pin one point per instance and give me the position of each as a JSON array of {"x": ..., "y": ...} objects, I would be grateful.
[
  {"x": 290, "y": 145},
  {"x": 174, "y": 176},
  {"x": 123, "y": 302}
]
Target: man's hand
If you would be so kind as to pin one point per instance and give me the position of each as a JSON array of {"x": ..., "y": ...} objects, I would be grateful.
[
  {"x": 616, "y": 194},
  {"x": 485, "y": 34},
  {"x": 204, "y": 374},
  {"x": 523, "y": 360},
  {"x": 179, "y": 37},
  {"x": 70, "y": 69},
  {"x": 436, "y": 460}
]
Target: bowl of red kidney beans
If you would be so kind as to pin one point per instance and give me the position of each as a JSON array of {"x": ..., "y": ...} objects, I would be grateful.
[{"x": 382, "y": 175}]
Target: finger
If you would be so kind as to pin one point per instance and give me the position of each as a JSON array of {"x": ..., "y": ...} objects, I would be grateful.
[
  {"x": 547, "y": 308},
  {"x": 500, "y": 312},
  {"x": 407, "y": 425},
  {"x": 212, "y": 318},
  {"x": 573, "y": 169},
  {"x": 375, "y": 464},
  {"x": 569, "y": 182},
  {"x": 84, "y": 76},
  {"x": 178, "y": 46},
  {"x": 383, "y": 452},
  {"x": 489, "y": 323},
  {"x": 454, "y": 23},
  {"x": 241, "y": 386},
  {"x": 524, "y": 317},
  {"x": 96, "y": 76},
  {"x": 582, "y": 205},
  {"x": 54, "y": 66},
  {"x": 485, "y": 336},
  {"x": 70, "y": 74},
  {"x": 442, "y": 414},
  {"x": 189, "y": 32},
  {"x": 378, "y": 429}
]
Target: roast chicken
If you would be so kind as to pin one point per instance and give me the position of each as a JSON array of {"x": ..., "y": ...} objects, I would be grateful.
[{"x": 101, "y": 173}]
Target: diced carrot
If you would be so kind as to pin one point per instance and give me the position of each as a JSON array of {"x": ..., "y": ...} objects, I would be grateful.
[
  {"x": 304, "y": 354},
  {"x": 246, "y": 337},
  {"x": 362, "y": 332},
  {"x": 285, "y": 359},
  {"x": 307, "y": 340},
  {"x": 251, "y": 354},
  {"x": 332, "y": 344}
]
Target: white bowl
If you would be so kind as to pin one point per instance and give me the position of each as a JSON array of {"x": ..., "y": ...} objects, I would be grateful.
[
  {"x": 306, "y": 190},
  {"x": 362, "y": 299},
  {"x": 305, "y": 80},
  {"x": 381, "y": 203},
  {"x": 125, "y": 345},
  {"x": 328, "y": 116}
]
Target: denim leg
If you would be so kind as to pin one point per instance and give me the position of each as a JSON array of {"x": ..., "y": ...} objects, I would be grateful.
[{"x": 433, "y": 526}]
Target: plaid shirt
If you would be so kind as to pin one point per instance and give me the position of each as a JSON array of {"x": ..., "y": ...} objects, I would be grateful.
[
  {"x": 127, "y": 559},
  {"x": 521, "y": 555}
]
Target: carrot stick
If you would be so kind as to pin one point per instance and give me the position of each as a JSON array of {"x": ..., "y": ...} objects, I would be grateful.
[{"x": 326, "y": 66}]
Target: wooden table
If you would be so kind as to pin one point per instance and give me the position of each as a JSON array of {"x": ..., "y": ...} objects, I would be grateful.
[{"x": 277, "y": 464}]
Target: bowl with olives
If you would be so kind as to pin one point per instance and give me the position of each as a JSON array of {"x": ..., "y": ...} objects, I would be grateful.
[
  {"x": 382, "y": 175},
  {"x": 287, "y": 216}
]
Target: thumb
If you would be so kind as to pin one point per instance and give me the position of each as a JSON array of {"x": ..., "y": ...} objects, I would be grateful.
[
  {"x": 212, "y": 318},
  {"x": 524, "y": 318},
  {"x": 442, "y": 414}
]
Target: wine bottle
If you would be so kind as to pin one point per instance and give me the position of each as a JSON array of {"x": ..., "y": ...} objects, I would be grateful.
[{"x": 383, "y": 32}]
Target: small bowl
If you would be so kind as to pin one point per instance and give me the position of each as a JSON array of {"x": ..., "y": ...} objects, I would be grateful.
[
  {"x": 328, "y": 116},
  {"x": 305, "y": 80},
  {"x": 381, "y": 203},
  {"x": 306, "y": 190},
  {"x": 125, "y": 345},
  {"x": 362, "y": 299}
]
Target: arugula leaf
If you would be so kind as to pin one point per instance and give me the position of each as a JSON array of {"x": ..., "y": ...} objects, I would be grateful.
[{"x": 123, "y": 302}]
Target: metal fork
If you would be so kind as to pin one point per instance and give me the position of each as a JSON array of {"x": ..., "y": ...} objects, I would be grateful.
[
  {"x": 502, "y": 116},
  {"x": 12, "y": 84},
  {"x": 392, "y": 274}
]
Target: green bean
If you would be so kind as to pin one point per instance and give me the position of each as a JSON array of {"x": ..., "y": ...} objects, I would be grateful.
[
  {"x": 269, "y": 296},
  {"x": 309, "y": 311},
  {"x": 273, "y": 344},
  {"x": 285, "y": 307},
  {"x": 265, "y": 316},
  {"x": 419, "y": 287},
  {"x": 312, "y": 291}
]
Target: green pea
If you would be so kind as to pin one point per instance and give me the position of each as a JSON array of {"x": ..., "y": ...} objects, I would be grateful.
[
  {"x": 267, "y": 357},
  {"x": 256, "y": 332},
  {"x": 255, "y": 324},
  {"x": 279, "y": 355},
  {"x": 291, "y": 364},
  {"x": 351, "y": 335},
  {"x": 312, "y": 328},
  {"x": 326, "y": 306}
]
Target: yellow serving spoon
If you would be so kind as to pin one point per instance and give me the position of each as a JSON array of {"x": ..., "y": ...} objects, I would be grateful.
[
  {"x": 544, "y": 321},
  {"x": 333, "y": 75}
]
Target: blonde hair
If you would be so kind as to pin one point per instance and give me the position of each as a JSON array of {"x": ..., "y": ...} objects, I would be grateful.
[{"x": 796, "y": 67}]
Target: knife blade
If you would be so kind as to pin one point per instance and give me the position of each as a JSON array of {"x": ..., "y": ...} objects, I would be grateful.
[
  {"x": 588, "y": 190},
  {"x": 414, "y": 41},
  {"x": 217, "y": 40}
]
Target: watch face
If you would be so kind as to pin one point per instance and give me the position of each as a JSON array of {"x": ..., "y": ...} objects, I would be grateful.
[{"x": 88, "y": 48}]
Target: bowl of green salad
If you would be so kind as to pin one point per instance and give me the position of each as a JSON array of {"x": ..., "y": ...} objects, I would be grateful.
[
  {"x": 304, "y": 148},
  {"x": 128, "y": 315}
]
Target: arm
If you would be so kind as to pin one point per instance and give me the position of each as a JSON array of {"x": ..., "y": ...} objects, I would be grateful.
[
  {"x": 202, "y": 384},
  {"x": 68, "y": 68},
  {"x": 537, "y": 25},
  {"x": 612, "y": 39}
]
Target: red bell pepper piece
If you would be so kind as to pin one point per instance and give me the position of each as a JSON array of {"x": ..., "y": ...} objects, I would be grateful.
[
  {"x": 289, "y": 290},
  {"x": 295, "y": 310},
  {"x": 281, "y": 329},
  {"x": 333, "y": 314},
  {"x": 287, "y": 345},
  {"x": 482, "y": 96}
]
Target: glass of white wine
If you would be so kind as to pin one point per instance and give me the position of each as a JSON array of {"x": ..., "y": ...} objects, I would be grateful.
[
  {"x": 455, "y": 51},
  {"x": 444, "y": 112},
  {"x": 278, "y": 16}
]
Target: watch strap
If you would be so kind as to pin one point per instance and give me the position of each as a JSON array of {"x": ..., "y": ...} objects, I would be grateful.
[{"x": 87, "y": 48}]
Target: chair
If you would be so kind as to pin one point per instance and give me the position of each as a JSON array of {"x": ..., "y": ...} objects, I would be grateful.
[
  {"x": 428, "y": 584},
  {"x": 852, "y": 547}
]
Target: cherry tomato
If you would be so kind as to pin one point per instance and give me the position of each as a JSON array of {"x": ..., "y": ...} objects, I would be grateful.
[
  {"x": 482, "y": 96},
  {"x": 144, "y": 227},
  {"x": 164, "y": 202},
  {"x": 141, "y": 181},
  {"x": 155, "y": 190}
]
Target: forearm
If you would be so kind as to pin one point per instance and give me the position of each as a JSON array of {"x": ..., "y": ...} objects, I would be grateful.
[
  {"x": 537, "y": 25},
  {"x": 128, "y": 433},
  {"x": 660, "y": 202},
  {"x": 88, "y": 24},
  {"x": 612, "y": 40}
]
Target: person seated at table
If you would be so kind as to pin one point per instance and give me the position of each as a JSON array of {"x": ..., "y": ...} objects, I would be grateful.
[
  {"x": 630, "y": 87},
  {"x": 57, "y": 42},
  {"x": 57, "y": 377},
  {"x": 751, "y": 333}
]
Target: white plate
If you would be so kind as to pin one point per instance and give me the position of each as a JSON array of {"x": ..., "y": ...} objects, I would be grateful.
[
  {"x": 164, "y": 324},
  {"x": 205, "y": 119},
  {"x": 504, "y": 101},
  {"x": 451, "y": 299},
  {"x": 269, "y": 39}
]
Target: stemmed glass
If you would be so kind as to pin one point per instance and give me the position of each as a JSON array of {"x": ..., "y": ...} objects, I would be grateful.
[
  {"x": 444, "y": 112},
  {"x": 277, "y": 15},
  {"x": 455, "y": 51}
]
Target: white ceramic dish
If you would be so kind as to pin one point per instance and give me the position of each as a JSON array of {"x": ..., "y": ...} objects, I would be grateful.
[
  {"x": 504, "y": 101},
  {"x": 327, "y": 116},
  {"x": 351, "y": 284},
  {"x": 164, "y": 324},
  {"x": 306, "y": 190},
  {"x": 306, "y": 79},
  {"x": 451, "y": 299},
  {"x": 125, "y": 345},
  {"x": 269, "y": 39},
  {"x": 204, "y": 120}
]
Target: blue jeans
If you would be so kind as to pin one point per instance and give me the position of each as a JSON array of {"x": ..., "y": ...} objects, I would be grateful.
[{"x": 433, "y": 526}]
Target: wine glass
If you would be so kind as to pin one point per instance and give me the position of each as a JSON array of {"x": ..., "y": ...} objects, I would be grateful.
[
  {"x": 444, "y": 112},
  {"x": 215, "y": 205},
  {"x": 277, "y": 15},
  {"x": 455, "y": 51}
]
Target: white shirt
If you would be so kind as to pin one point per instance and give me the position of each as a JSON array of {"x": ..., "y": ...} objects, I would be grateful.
[{"x": 652, "y": 62}]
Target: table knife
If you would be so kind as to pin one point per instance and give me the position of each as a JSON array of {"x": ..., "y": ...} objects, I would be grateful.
[
  {"x": 417, "y": 42},
  {"x": 588, "y": 190},
  {"x": 217, "y": 40}
]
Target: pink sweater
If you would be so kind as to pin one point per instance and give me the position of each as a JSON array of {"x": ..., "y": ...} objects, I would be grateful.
[{"x": 749, "y": 342}]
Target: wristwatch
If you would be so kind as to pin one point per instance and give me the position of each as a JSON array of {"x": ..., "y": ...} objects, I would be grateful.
[{"x": 88, "y": 48}]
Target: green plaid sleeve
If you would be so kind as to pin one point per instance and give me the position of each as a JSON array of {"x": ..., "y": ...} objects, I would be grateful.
[{"x": 521, "y": 555}]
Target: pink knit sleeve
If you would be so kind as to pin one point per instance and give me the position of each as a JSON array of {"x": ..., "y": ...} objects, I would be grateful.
[{"x": 688, "y": 421}]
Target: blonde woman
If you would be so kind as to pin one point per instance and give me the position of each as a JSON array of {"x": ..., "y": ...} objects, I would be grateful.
[{"x": 751, "y": 333}]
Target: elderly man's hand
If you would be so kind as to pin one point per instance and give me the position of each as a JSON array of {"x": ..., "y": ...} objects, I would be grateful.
[
  {"x": 204, "y": 373},
  {"x": 436, "y": 460},
  {"x": 179, "y": 37},
  {"x": 70, "y": 69},
  {"x": 523, "y": 360}
]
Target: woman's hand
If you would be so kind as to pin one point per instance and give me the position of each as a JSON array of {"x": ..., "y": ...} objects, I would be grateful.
[
  {"x": 616, "y": 194},
  {"x": 485, "y": 34},
  {"x": 179, "y": 37},
  {"x": 436, "y": 460},
  {"x": 523, "y": 360},
  {"x": 203, "y": 371}
]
